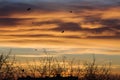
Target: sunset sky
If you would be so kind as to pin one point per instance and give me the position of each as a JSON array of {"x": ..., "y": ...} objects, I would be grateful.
[
  {"x": 92, "y": 23},
  {"x": 90, "y": 26}
]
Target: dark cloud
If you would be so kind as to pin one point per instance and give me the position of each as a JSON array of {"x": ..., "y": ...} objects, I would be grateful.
[
  {"x": 92, "y": 19},
  {"x": 31, "y": 35},
  {"x": 9, "y": 8},
  {"x": 68, "y": 26},
  {"x": 104, "y": 37},
  {"x": 106, "y": 24},
  {"x": 98, "y": 30},
  {"x": 37, "y": 23},
  {"x": 12, "y": 21},
  {"x": 114, "y": 23},
  {"x": 81, "y": 8}
]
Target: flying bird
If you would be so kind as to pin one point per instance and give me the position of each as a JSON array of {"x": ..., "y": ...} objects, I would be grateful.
[
  {"x": 63, "y": 31},
  {"x": 71, "y": 11},
  {"x": 28, "y": 9}
]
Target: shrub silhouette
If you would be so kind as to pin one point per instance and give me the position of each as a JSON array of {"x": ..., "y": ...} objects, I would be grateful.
[
  {"x": 7, "y": 69},
  {"x": 51, "y": 68}
]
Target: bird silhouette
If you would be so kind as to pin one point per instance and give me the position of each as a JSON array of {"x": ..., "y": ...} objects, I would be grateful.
[
  {"x": 71, "y": 11},
  {"x": 28, "y": 9},
  {"x": 63, "y": 31}
]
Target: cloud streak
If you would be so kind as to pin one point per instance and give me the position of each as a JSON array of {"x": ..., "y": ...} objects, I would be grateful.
[{"x": 46, "y": 19}]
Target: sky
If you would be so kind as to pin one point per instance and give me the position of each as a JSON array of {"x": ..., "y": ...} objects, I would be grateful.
[
  {"x": 86, "y": 23},
  {"x": 61, "y": 26}
]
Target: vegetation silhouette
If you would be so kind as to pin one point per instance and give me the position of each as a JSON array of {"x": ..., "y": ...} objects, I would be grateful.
[{"x": 52, "y": 69}]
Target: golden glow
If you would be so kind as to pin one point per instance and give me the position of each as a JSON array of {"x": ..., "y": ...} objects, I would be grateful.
[{"x": 36, "y": 29}]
